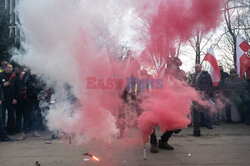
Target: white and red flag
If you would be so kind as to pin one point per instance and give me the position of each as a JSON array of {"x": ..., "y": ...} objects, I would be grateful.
[
  {"x": 214, "y": 68},
  {"x": 242, "y": 58}
]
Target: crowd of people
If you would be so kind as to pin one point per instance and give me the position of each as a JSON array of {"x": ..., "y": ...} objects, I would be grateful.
[
  {"x": 231, "y": 91},
  {"x": 20, "y": 91}
]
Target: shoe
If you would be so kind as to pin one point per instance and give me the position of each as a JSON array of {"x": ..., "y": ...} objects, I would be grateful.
[
  {"x": 36, "y": 134},
  {"x": 154, "y": 148},
  {"x": 197, "y": 132},
  {"x": 165, "y": 145},
  {"x": 230, "y": 121},
  {"x": 23, "y": 137},
  {"x": 6, "y": 139}
]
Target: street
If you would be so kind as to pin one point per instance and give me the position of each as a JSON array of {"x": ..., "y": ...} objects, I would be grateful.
[{"x": 227, "y": 144}]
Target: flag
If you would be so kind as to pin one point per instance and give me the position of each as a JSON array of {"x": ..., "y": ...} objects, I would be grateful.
[
  {"x": 242, "y": 58},
  {"x": 214, "y": 68},
  {"x": 160, "y": 67}
]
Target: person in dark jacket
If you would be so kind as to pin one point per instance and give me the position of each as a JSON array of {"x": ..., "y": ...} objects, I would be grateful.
[
  {"x": 222, "y": 97},
  {"x": 237, "y": 90},
  {"x": 224, "y": 76},
  {"x": 21, "y": 113},
  {"x": 8, "y": 82},
  {"x": 203, "y": 83},
  {"x": 3, "y": 136},
  {"x": 32, "y": 90}
]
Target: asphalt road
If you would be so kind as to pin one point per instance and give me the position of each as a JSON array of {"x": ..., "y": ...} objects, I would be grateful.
[{"x": 227, "y": 144}]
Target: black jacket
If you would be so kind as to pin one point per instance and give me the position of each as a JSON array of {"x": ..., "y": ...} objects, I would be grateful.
[
  {"x": 9, "y": 91},
  {"x": 224, "y": 76},
  {"x": 204, "y": 83},
  {"x": 1, "y": 93},
  {"x": 34, "y": 86},
  {"x": 21, "y": 90}
]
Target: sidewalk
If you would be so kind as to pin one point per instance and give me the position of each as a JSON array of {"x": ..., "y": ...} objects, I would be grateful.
[{"x": 227, "y": 144}]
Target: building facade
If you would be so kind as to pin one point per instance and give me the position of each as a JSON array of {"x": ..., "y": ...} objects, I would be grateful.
[{"x": 10, "y": 6}]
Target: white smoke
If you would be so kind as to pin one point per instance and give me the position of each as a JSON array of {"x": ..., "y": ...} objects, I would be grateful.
[{"x": 51, "y": 31}]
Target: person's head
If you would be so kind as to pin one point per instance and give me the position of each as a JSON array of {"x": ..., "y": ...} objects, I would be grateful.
[
  {"x": 182, "y": 75},
  {"x": 198, "y": 68},
  {"x": 4, "y": 63},
  {"x": 192, "y": 76},
  {"x": 233, "y": 73},
  {"x": 21, "y": 75},
  {"x": 17, "y": 71},
  {"x": 221, "y": 68},
  {"x": 177, "y": 61},
  {"x": 8, "y": 68}
]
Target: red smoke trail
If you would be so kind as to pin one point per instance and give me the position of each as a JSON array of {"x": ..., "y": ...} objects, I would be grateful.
[
  {"x": 168, "y": 108},
  {"x": 174, "y": 20},
  {"x": 101, "y": 107}
]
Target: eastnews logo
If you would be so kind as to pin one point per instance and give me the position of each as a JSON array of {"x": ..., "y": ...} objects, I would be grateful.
[{"x": 129, "y": 82}]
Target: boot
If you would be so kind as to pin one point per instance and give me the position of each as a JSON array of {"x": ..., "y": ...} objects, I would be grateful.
[
  {"x": 165, "y": 145},
  {"x": 197, "y": 132},
  {"x": 154, "y": 148}
]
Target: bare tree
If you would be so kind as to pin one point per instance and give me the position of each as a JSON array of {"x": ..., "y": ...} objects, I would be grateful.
[
  {"x": 199, "y": 41},
  {"x": 236, "y": 15},
  {"x": 5, "y": 41}
]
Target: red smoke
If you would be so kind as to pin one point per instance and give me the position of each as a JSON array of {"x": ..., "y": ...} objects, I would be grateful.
[
  {"x": 174, "y": 20},
  {"x": 100, "y": 107},
  {"x": 168, "y": 108},
  {"x": 177, "y": 19},
  {"x": 167, "y": 21}
]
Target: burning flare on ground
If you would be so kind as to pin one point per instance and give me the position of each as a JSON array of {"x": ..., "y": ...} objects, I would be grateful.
[{"x": 92, "y": 157}]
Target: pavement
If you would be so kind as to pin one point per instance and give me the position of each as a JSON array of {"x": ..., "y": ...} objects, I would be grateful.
[{"x": 227, "y": 144}]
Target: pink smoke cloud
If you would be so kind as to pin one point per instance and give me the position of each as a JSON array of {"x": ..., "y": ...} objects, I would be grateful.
[{"x": 171, "y": 21}]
